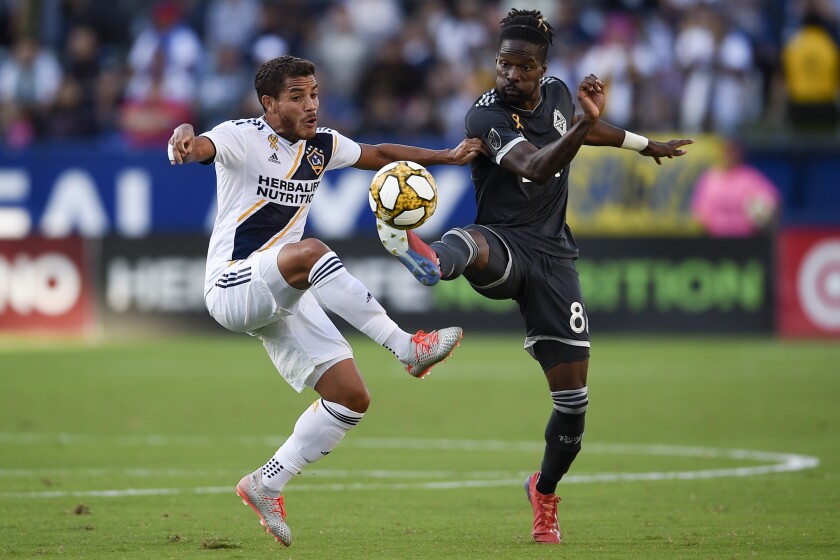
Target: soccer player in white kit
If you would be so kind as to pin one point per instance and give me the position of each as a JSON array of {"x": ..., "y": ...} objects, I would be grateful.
[{"x": 264, "y": 280}]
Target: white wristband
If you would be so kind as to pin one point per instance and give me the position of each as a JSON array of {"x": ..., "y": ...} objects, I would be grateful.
[{"x": 634, "y": 142}]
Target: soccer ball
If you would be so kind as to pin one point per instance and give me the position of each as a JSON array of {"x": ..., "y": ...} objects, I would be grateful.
[{"x": 403, "y": 194}]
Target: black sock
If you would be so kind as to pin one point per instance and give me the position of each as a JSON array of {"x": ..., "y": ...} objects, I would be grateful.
[
  {"x": 563, "y": 435},
  {"x": 456, "y": 251}
]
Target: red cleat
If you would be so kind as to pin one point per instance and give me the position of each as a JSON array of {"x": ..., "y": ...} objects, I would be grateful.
[{"x": 546, "y": 529}]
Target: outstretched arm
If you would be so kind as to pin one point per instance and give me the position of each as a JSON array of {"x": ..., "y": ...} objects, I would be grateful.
[
  {"x": 375, "y": 157},
  {"x": 604, "y": 134},
  {"x": 186, "y": 147},
  {"x": 539, "y": 165}
]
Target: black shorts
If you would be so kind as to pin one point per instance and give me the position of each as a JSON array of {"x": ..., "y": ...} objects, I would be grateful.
[{"x": 547, "y": 289}]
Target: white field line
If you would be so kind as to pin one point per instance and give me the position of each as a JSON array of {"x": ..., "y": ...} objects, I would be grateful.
[{"x": 416, "y": 480}]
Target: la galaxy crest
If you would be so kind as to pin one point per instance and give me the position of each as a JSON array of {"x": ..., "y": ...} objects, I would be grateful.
[
  {"x": 315, "y": 158},
  {"x": 559, "y": 122}
]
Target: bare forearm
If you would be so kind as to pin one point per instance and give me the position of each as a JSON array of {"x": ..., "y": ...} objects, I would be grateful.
[
  {"x": 374, "y": 157},
  {"x": 554, "y": 157},
  {"x": 604, "y": 134}
]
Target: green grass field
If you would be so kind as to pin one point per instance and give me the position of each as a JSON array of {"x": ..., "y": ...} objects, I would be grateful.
[{"x": 133, "y": 449}]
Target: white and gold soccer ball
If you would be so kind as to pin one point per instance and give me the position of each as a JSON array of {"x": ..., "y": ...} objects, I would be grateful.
[{"x": 403, "y": 194}]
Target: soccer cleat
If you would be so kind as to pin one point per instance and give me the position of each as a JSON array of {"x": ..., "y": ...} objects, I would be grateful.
[
  {"x": 268, "y": 504},
  {"x": 410, "y": 250},
  {"x": 546, "y": 529},
  {"x": 430, "y": 349}
]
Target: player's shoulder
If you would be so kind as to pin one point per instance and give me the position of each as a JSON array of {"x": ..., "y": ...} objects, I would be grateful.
[
  {"x": 489, "y": 98},
  {"x": 328, "y": 137},
  {"x": 553, "y": 83},
  {"x": 248, "y": 124},
  {"x": 555, "y": 88}
]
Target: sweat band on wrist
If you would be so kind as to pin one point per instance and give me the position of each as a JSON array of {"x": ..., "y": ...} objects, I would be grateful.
[{"x": 634, "y": 142}]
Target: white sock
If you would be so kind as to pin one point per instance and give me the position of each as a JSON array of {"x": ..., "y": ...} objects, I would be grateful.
[
  {"x": 347, "y": 297},
  {"x": 317, "y": 432}
]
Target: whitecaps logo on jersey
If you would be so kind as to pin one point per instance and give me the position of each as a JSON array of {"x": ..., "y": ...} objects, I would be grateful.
[
  {"x": 494, "y": 139},
  {"x": 559, "y": 122},
  {"x": 315, "y": 157}
]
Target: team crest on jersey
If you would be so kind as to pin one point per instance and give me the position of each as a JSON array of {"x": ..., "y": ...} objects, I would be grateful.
[
  {"x": 272, "y": 140},
  {"x": 315, "y": 157},
  {"x": 559, "y": 122},
  {"x": 494, "y": 139}
]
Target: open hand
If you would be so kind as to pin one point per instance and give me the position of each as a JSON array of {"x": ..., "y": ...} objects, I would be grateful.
[{"x": 670, "y": 149}]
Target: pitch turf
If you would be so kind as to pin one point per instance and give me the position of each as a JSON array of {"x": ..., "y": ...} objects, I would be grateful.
[{"x": 133, "y": 449}]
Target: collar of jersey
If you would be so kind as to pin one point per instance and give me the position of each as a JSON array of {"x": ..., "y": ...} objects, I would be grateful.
[{"x": 529, "y": 111}]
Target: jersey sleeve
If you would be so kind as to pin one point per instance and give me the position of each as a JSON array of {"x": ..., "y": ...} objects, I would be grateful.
[
  {"x": 493, "y": 126},
  {"x": 346, "y": 152},
  {"x": 229, "y": 142}
]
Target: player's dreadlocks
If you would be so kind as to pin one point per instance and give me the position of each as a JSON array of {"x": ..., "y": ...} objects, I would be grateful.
[{"x": 527, "y": 25}]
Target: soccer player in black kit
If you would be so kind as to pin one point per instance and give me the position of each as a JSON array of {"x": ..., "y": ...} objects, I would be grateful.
[{"x": 520, "y": 246}]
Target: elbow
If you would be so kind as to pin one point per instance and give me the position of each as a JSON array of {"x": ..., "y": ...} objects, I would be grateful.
[{"x": 540, "y": 177}]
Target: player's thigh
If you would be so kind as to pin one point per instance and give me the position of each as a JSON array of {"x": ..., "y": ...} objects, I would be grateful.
[
  {"x": 252, "y": 293},
  {"x": 304, "y": 346},
  {"x": 555, "y": 315}
]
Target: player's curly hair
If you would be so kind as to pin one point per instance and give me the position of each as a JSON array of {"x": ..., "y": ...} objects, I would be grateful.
[
  {"x": 273, "y": 74},
  {"x": 527, "y": 25}
]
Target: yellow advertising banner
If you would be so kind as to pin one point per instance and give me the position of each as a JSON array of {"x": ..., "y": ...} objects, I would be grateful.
[{"x": 619, "y": 192}]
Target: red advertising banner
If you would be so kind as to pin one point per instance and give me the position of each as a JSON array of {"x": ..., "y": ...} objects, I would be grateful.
[
  {"x": 809, "y": 282},
  {"x": 45, "y": 286}
]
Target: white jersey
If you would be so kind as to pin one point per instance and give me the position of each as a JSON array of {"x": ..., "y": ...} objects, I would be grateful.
[{"x": 265, "y": 186}]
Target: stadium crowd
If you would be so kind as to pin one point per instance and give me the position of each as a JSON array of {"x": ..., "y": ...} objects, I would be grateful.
[{"x": 127, "y": 71}]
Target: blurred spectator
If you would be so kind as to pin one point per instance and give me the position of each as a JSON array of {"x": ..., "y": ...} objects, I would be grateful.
[
  {"x": 231, "y": 22},
  {"x": 71, "y": 116},
  {"x": 623, "y": 62},
  {"x": 108, "y": 97},
  {"x": 223, "y": 86},
  {"x": 165, "y": 55},
  {"x": 735, "y": 199},
  {"x": 148, "y": 117},
  {"x": 30, "y": 76},
  {"x": 461, "y": 32},
  {"x": 811, "y": 62},
  {"x": 717, "y": 61},
  {"x": 375, "y": 20},
  {"x": 339, "y": 52},
  {"x": 29, "y": 81}
]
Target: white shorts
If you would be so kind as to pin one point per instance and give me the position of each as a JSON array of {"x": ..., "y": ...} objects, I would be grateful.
[{"x": 253, "y": 297}]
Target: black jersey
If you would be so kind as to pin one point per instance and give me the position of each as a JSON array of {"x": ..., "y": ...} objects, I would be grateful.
[{"x": 506, "y": 200}]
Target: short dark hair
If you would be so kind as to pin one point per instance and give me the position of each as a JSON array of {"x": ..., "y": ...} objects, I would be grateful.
[
  {"x": 273, "y": 74},
  {"x": 530, "y": 26}
]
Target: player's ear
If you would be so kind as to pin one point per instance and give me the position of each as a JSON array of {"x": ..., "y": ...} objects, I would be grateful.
[{"x": 269, "y": 103}]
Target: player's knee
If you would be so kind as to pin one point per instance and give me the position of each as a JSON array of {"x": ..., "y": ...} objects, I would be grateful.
[
  {"x": 309, "y": 251},
  {"x": 357, "y": 399},
  {"x": 295, "y": 260}
]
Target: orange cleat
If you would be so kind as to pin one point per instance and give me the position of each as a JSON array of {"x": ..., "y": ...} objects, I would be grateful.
[{"x": 546, "y": 529}]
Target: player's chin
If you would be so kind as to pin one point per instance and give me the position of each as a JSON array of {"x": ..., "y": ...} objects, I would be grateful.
[
  {"x": 308, "y": 130},
  {"x": 511, "y": 95}
]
